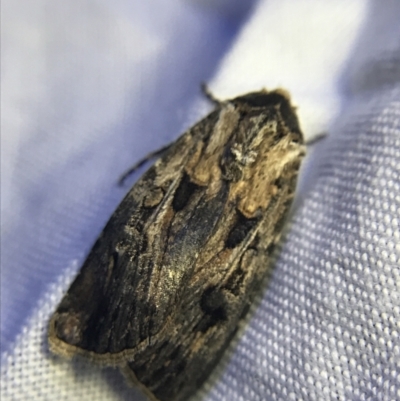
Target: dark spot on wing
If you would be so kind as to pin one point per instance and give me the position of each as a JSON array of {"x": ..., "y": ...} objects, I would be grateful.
[
  {"x": 214, "y": 305},
  {"x": 240, "y": 231},
  {"x": 183, "y": 193}
]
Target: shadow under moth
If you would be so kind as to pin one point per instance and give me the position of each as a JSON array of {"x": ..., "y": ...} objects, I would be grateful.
[{"x": 174, "y": 271}]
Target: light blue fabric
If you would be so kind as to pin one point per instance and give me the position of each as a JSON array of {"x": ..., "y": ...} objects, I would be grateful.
[{"x": 89, "y": 88}]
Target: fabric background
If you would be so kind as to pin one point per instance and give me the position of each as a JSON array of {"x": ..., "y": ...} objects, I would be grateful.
[{"x": 89, "y": 87}]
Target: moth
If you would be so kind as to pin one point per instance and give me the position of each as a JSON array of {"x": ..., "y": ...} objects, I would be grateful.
[{"x": 174, "y": 271}]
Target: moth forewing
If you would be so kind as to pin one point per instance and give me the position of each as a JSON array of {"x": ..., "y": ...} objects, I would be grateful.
[{"x": 165, "y": 286}]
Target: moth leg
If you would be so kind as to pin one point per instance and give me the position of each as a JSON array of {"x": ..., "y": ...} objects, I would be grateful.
[
  {"x": 207, "y": 93},
  {"x": 316, "y": 138},
  {"x": 141, "y": 162}
]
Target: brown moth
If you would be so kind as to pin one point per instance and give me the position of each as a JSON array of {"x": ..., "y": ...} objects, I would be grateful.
[{"x": 174, "y": 271}]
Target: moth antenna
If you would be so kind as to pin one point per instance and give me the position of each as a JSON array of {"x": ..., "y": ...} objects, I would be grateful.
[
  {"x": 316, "y": 138},
  {"x": 207, "y": 93},
  {"x": 140, "y": 163}
]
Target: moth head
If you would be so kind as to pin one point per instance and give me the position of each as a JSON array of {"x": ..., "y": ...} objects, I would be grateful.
[
  {"x": 254, "y": 134},
  {"x": 265, "y": 120}
]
